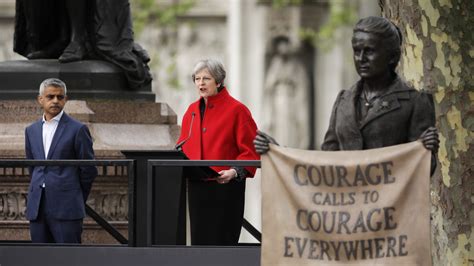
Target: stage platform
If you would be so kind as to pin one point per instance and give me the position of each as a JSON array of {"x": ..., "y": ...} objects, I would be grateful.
[{"x": 46, "y": 255}]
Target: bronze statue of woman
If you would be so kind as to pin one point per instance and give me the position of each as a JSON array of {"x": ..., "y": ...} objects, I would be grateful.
[{"x": 380, "y": 110}]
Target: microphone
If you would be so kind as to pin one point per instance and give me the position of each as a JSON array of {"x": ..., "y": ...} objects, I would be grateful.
[{"x": 180, "y": 144}]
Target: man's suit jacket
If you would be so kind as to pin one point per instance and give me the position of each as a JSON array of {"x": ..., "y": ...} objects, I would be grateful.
[
  {"x": 399, "y": 116},
  {"x": 66, "y": 188}
]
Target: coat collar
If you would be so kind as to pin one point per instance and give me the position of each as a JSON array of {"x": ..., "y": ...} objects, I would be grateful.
[
  {"x": 347, "y": 108},
  {"x": 222, "y": 95},
  {"x": 397, "y": 86},
  {"x": 387, "y": 102},
  {"x": 38, "y": 135}
]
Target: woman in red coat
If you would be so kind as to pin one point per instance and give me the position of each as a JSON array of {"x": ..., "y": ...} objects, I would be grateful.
[{"x": 217, "y": 127}]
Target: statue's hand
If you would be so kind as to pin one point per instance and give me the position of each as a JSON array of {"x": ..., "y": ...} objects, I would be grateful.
[
  {"x": 262, "y": 141},
  {"x": 430, "y": 139}
]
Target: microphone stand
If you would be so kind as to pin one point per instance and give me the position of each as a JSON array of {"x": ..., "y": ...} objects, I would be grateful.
[{"x": 179, "y": 146}]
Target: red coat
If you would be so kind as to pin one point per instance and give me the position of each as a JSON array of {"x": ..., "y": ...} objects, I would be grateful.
[{"x": 226, "y": 132}]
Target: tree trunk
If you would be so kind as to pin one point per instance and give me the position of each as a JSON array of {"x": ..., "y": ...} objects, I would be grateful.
[{"x": 438, "y": 56}]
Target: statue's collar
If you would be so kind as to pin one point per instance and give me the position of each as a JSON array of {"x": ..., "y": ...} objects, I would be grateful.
[{"x": 397, "y": 86}]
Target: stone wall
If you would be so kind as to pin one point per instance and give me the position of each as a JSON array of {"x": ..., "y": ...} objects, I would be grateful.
[{"x": 108, "y": 198}]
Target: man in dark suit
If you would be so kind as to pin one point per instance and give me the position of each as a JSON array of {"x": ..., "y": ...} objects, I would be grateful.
[{"x": 57, "y": 195}]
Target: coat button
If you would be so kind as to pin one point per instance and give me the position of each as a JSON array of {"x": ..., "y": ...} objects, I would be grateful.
[{"x": 204, "y": 130}]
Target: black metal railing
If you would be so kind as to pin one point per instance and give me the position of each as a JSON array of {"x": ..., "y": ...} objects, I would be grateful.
[
  {"x": 94, "y": 215},
  {"x": 134, "y": 239},
  {"x": 195, "y": 163}
]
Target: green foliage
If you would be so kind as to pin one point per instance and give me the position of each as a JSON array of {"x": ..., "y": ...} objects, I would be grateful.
[
  {"x": 155, "y": 12},
  {"x": 341, "y": 14},
  {"x": 285, "y": 3},
  {"x": 163, "y": 15}
]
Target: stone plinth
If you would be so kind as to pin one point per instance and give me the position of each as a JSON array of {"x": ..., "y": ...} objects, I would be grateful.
[
  {"x": 88, "y": 79},
  {"x": 115, "y": 125}
]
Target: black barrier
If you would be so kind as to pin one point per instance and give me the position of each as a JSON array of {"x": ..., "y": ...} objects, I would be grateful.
[
  {"x": 151, "y": 173},
  {"x": 44, "y": 255},
  {"x": 133, "y": 190},
  {"x": 95, "y": 216}
]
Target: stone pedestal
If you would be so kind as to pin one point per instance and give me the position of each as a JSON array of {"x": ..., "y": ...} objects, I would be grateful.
[
  {"x": 88, "y": 79},
  {"x": 115, "y": 125}
]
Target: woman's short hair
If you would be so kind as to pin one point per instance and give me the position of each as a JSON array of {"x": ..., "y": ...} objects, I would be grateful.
[
  {"x": 215, "y": 68},
  {"x": 384, "y": 28},
  {"x": 52, "y": 82}
]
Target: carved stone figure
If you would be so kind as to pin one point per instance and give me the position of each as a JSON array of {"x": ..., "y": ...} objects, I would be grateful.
[
  {"x": 285, "y": 97},
  {"x": 71, "y": 30}
]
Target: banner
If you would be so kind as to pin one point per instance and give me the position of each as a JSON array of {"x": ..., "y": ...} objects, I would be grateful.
[{"x": 369, "y": 207}]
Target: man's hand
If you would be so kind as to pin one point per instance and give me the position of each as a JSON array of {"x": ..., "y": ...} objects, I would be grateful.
[
  {"x": 430, "y": 139},
  {"x": 262, "y": 141}
]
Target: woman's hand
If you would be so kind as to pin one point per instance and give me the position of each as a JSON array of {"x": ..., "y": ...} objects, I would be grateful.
[
  {"x": 262, "y": 141},
  {"x": 226, "y": 175},
  {"x": 430, "y": 139}
]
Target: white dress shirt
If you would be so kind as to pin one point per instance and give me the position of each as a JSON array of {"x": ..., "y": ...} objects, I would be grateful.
[{"x": 49, "y": 128}]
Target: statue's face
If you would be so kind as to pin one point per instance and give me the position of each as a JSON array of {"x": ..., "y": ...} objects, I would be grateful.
[
  {"x": 283, "y": 48},
  {"x": 371, "y": 57}
]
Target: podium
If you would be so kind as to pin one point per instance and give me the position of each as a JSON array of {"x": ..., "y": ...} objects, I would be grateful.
[{"x": 168, "y": 199}]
